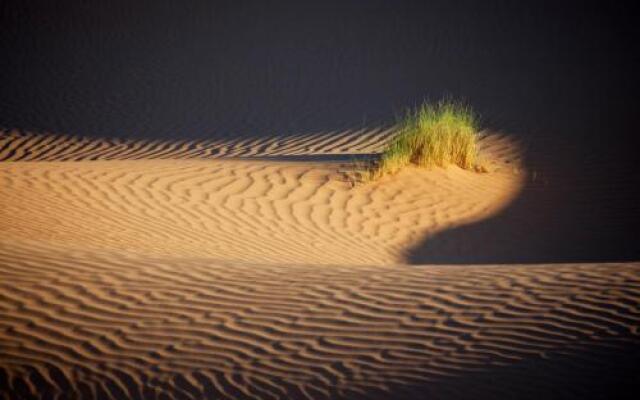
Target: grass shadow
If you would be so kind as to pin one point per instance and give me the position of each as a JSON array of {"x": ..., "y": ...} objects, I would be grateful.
[
  {"x": 577, "y": 206},
  {"x": 346, "y": 159}
]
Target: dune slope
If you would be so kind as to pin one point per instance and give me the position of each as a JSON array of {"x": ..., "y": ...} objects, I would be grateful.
[
  {"x": 262, "y": 208},
  {"x": 155, "y": 270},
  {"x": 107, "y": 325}
]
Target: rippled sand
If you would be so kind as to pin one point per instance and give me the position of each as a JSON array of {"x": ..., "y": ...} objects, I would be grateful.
[{"x": 255, "y": 269}]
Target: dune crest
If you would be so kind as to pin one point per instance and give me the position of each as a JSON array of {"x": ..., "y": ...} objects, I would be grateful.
[{"x": 17, "y": 145}]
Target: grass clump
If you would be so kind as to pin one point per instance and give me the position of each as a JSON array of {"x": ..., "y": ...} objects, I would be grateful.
[{"x": 431, "y": 135}]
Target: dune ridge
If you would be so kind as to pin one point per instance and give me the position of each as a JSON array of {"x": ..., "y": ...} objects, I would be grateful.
[{"x": 16, "y": 145}]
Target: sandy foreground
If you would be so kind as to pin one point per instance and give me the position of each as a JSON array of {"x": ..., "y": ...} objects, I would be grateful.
[{"x": 255, "y": 269}]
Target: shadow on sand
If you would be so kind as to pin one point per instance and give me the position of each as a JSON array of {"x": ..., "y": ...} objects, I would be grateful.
[
  {"x": 552, "y": 376},
  {"x": 576, "y": 206},
  {"x": 579, "y": 204},
  {"x": 346, "y": 159}
]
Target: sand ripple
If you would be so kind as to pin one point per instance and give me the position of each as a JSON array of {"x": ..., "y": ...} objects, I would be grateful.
[
  {"x": 101, "y": 325},
  {"x": 203, "y": 270},
  {"x": 240, "y": 210},
  {"x": 16, "y": 145}
]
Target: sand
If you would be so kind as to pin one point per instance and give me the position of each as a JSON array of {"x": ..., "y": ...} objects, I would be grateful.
[
  {"x": 255, "y": 268},
  {"x": 177, "y": 219},
  {"x": 191, "y": 204}
]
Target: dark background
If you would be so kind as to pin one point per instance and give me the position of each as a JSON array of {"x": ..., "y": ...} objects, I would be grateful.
[{"x": 561, "y": 77}]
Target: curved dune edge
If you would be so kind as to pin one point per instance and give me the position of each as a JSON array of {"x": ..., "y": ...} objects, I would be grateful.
[
  {"x": 16, "y": 145},
  {"x": 108, "y": 325},
  {"x": 238, "y": 209}
]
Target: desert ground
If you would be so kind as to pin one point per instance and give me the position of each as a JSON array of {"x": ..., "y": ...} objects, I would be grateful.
[
  {"x": 258, "y": 269},
  {"x": 180, "y": 216}
]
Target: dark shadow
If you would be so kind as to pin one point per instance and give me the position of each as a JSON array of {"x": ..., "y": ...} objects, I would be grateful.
[
  {"x": 167, "y": 71},
  {"x": 581, "y": 203},
  {"x": 348, "y": 160},
  {"x": 599, "y": 371},
  {"x": 564, "y": 79}
]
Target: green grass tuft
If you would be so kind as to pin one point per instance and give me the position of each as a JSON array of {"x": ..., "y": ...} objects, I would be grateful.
[{"x": 431, "y": 135}]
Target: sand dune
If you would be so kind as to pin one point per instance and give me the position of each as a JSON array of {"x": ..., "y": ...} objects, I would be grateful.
[
  {"x": 238, "y": 210},
  {"x": 236, "y": 270},
  {"x": 112, "y": 325}
]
